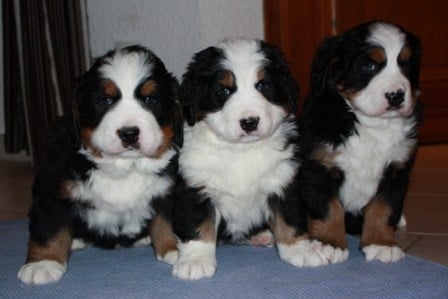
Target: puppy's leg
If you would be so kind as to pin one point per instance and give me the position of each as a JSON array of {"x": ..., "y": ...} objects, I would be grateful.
[
  {"x": 293, "y": 248},
  {"x": 320, "y": 183},
  {"x": 383, "y": 213},
  {"x": 288, "y": 225},
  {"x": 197, "y": 256},
  {"x": 194, "y": 225},
  {"x": 330, "y": 233},
  {"x": 50, "y": 239},
  {"x": 46, "y": 261},
  {"x": 163, "y": 239}
]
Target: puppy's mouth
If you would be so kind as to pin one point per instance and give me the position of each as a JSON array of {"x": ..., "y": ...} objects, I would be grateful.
[{"x": 131, "y": 146}]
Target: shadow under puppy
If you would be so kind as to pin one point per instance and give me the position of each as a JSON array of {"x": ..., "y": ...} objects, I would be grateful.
[
  {"x": 239, "y": 161},
  {"x": 359, "y": 137},
  {"x": 109, "y": 172}
]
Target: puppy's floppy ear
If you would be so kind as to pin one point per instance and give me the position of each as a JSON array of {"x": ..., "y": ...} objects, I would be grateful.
[
  {"x": 178, "y": 118},
  {"x": 279, "y": 66},
  {"x": 193, "y": 90},
  {"x": 322, "y": 65},
  {"x": 415, "y": 60},
  {"x": 73, "y": 118}
]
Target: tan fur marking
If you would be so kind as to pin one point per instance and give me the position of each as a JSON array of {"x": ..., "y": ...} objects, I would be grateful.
[
  {"x": 148, "y": 88},
  {"x": 331, "y": 230},
  {"x": 207, "y": 232},
  {"x": 378, "y": 55},
  {"x": 283, "y": 233},
  {"x": 66, "y": 189},
  {"x": 86, "y": 139},
  {"x": 168, "y": 134},
  {"x": 261, "y": 74},
  {"x": 348, "y": 94},
  {"x": 162, "y": 236},
  {"x": 227, "y": 79},
  {"x": 325, "y": 155},
  {"x": 375, "y": 229},
  {"x": 110, "y": 89},
  {"x": 56, "y": 249},
  {"x": 405, "y": 53}
]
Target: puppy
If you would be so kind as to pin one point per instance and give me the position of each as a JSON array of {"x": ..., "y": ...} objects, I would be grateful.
[
  {"x": 239, "y": 162},
  {"x": 359, "y": 137},
  {"x": 109, "y": 171}
]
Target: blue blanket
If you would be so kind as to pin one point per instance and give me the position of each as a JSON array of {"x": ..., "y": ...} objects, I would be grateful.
[{"x": 243, "y": 272}]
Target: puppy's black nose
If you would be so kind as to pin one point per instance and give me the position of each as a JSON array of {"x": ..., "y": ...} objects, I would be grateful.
[
  {"x": 249, "y": 124},
  {"x": 129, "y": 135},
  {"x": 395, "y": 99}
]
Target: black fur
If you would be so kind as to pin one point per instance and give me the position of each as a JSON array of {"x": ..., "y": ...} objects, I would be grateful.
[
  {"x": 199, "y": 95},
  {"x": 52, "y": 208},
  {"x": 328, "y": 119}
]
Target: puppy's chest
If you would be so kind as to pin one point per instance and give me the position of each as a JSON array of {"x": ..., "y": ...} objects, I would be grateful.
[
  {"x": 238, "y": 172},
  {"x": 120, "y": 197},
  {"x": 239, "y": 180},
  {"x": 364, "y": 157}
]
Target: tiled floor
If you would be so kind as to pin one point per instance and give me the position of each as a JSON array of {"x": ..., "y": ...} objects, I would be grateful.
[{"x": 426, "y": 207}]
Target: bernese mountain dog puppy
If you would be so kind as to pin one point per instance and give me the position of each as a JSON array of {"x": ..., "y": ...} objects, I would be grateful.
[
  {"x": 239, "y": 162},
  {"x": 109, "y": 170},
  {"x": 359, "y": 137}
]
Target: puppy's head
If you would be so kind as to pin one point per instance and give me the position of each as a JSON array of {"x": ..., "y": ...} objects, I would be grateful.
[
  {"x": 242, "y": 89},
  {"x": 374, "y": 67},
  {"x": 125, "y": 105}
]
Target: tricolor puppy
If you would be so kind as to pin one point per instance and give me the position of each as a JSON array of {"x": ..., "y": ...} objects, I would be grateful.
[
  {"x": 359, "y": 137},
  {"x": 109, "y": 172},
  {"x": 239, "y": 160}
]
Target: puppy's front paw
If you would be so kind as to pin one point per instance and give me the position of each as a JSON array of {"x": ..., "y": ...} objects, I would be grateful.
[
  {"x": 196, "y": 260},
  {"x": 170, "y": 257},
  {"x": 332, "y": 254},
  {"x": 301, "y": 254},
  {"x": 264, "y": 238},
  {"x": 41, "y": 272},
  {"x": 385, "y": 254}
]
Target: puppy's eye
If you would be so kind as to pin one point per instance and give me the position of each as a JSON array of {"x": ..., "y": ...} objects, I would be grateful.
[
  {"x": 151, "y": 101},
  {"x": 369, "y": 67},
  {"x": 223, "y": 92},
  {"x": 105, "y": 102},
  {"x": 263, "y": 86}
]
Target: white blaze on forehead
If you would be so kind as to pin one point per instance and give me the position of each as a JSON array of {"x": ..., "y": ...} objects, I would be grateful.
[
  {"x": 389, "y": 37},
  {"x": 126, "y": 69},
  {"x": 244, "y": 58}
]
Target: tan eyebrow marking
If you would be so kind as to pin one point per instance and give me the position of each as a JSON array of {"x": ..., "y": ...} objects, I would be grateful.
[
  {"x": 378, "y": 55},
  {"x": 148, "y": 88},
  {"x": 110, "y": 88}
]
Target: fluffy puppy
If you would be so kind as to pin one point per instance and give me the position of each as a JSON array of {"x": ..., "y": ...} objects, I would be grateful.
[
  {"x": 109, "y": 171},
  {"x": 359, "y": 137},
  {"x": 239, "y": 160}
]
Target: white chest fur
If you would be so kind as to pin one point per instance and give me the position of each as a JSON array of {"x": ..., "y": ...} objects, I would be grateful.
[
  {"x": 238, "y": 177},
  {"x": 365, "y": 155},
  {"x": 120, "y": 190}
]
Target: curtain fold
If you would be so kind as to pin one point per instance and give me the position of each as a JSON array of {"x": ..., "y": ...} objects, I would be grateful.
[{"x": 52, "y": 52}]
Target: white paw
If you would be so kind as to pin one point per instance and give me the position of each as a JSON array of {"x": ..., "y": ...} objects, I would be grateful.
[
  {"x": 170, "y": 257},
  {"x": 41, "y": 272},
  {"x": 402, "y": 222},
  {"x": 264, "y": 238},
  {"x": 332, "y": 254},
  {"x": 196, "y": 260},
  {"x": 386, "y": 254},
  {"x": 78, "y": 244},
  {"x": 301, "y": 254},
  {"x": 143, "y": 242}
]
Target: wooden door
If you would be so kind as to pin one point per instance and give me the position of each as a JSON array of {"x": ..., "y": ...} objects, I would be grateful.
[{"x": 298, "y": 27}]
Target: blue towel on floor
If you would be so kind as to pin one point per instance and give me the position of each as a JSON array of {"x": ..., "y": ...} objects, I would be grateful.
[{"x": 243, "y": 272}]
